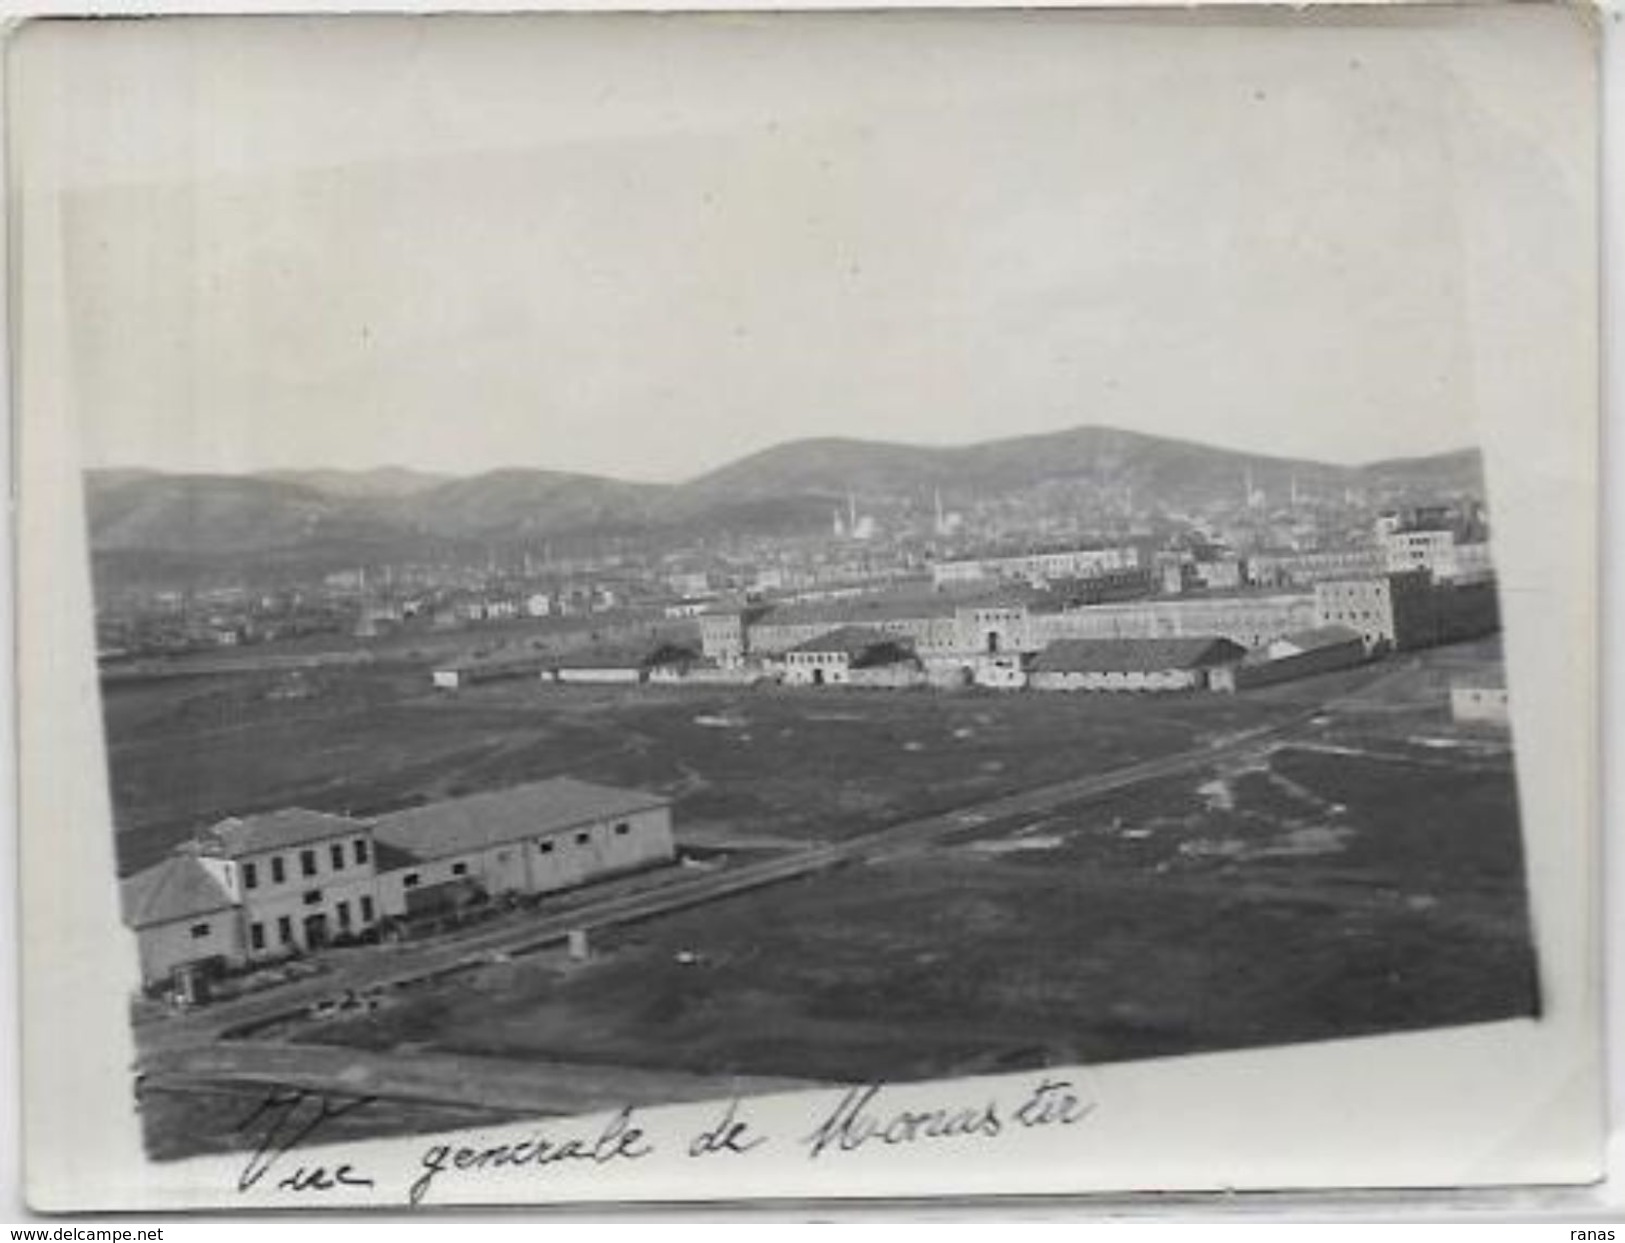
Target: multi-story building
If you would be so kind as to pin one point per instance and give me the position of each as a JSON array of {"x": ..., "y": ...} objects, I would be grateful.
[
  {"x": 1409, "y": 610},
  {"x": 1430, "y": 550},
  {"x": 1035, "y": 567},
  {"x": 1305, "y": 569},
  {"x": 948, "y": 634},
  {"x": 725, "y": 633},
  {"x": 1387, "y": 610},
  {"x": 266, "y": 886},
  {"x": 992, "y": 627},
  {"x": 301, "y": 877},
  {"x": 1248, "y": 618}
]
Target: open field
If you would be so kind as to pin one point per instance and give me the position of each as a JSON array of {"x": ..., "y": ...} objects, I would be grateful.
[
  {"x": 1360, "y": 872},
  {"x": 1308, "y": 897},
  {"x": 792, "y": 765}
]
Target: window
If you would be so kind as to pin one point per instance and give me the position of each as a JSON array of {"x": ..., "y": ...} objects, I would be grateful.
[
  {"x": 621, "y": 830},
  {"x": 312, "y": 897},
  {"x": 366, "y": 910},
  {"x": 251, "y": 876},
  {"x": 199, "y": 931},
  {"x": 459, "y": 869},
  {"x": 284, "y": 929},
  {"x": 338, "y": 856},
  {"x": 344, "y": 915},
  {"x": 583, "y": 838},
  {"x": 545, "y": 847},
  {"x": 278, "y": 872},
  {"x": 256, "y": 936},
  {"x": 360, "y": 850},
  {"x": 307, "y": 862},
  {"x": 410, "y": 881}
]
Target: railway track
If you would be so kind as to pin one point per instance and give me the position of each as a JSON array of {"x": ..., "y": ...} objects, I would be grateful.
[{"x": 245, "y": 1016}]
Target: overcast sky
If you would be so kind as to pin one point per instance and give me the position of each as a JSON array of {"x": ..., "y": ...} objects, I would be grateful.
[{"x": 646, "y": 246}]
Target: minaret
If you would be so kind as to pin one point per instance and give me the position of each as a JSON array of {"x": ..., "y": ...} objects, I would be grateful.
[{"x": 851, "y": 512}]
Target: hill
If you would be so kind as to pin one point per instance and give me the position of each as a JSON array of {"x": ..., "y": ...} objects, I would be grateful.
[
  {"x": 519, "y": 504},
  {"x": 337, "y": 515},
  {"x": 383, "y": 481},
  {"x": 1174, "y": 472}
]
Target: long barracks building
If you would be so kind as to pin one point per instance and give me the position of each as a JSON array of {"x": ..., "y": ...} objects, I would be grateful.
[
  {"x": 1013, "y": 620},
  {"x": 266, "y": 886},
  {"x": 1390, "y": 610}
]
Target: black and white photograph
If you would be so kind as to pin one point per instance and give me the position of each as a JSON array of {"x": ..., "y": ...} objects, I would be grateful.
[{"x": 666, "y": 560}]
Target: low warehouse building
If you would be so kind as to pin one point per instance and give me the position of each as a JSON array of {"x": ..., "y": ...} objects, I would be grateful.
[
  {"x": 1300, "y": 654},
  {"x": 831, "y": 659},
  {"x": 458, "y": 674},
  {"x": 536, "y": 838},
  {"x": 1130, "y": 664},
  {"x": 598, "y": 669},
  {"x": 1480, "y": 701}
]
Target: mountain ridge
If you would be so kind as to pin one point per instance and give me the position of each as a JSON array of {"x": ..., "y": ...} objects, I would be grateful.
[{"x": 782, "y": 488}]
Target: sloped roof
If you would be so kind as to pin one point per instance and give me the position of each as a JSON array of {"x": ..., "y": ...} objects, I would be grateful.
[
  {"x": 496, "y": 663},
  {"x": 495, "y": 817},
  {"x": 891, "y": 606},
  {"x": 853, "y": 640},
  {"x": 178, "y": 888},
  {"x": 276, "y": 830},
  {"x": 1321, "y": 636},
  {"x": 606, "y": 656},
  {"x": 1133, "y": 655}
]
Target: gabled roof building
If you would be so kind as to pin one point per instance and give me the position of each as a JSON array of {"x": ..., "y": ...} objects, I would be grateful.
[
  {"x": 1131, "y": 664},
  {"x": 536, "y": 838}
]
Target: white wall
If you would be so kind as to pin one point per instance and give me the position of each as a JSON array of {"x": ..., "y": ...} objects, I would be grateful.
[
  {"x": 1162, "y": 680},
  {"x": 498, "y": 869},
  {"x": 802, "y": 668},
  {"x": 561, "y": 860},
  {"x": 546, "y": 863},
  {"x": 341, "y": 890},
  {"x": 614, "y": 675},
  {"x": 1479, "y": 703},
  {"x": 163, "y": 947}
]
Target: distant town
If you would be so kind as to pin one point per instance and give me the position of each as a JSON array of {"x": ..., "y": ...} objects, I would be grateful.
[
  {"x": 911, "y": 584},
  {"x": 461, "y": 786}
]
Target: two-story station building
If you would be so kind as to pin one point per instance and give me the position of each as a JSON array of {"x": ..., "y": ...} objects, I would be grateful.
[
  {"x": 262, "y": 887},
  {"x": 301, "y": 878}
]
